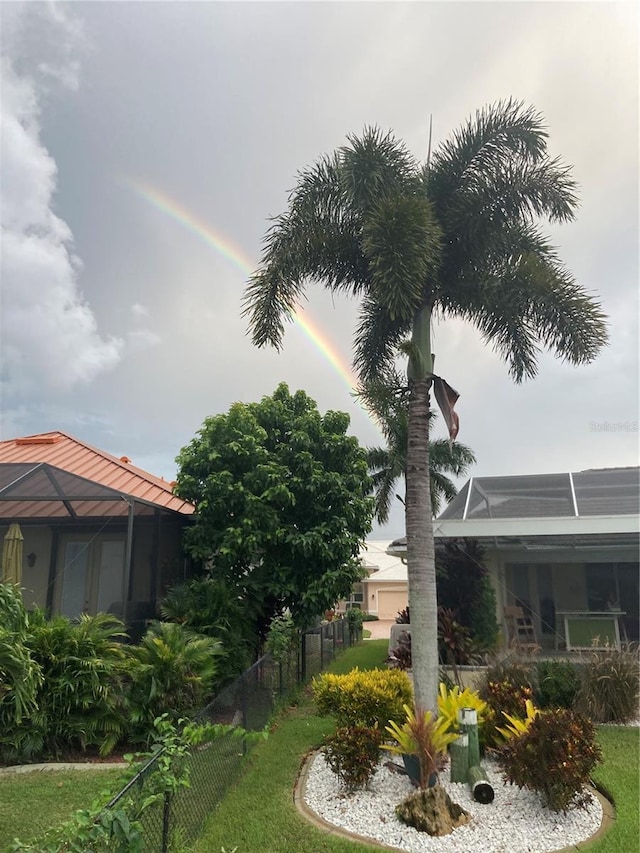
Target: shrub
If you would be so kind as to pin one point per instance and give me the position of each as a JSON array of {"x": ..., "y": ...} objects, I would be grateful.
[
  {"x": 355, "y": 618},
  {"x": 400, "y": 657},
  {"x": 555, "y": 756},
  {"x": 463, "y": 584},
  {"x": 367, "y": 699},
  {"x": 403, "y": 617},
  {"x": 482, "y": 620},
  {"x": 353, "y": 752},
  {"x": 610, "y": 686},
  {"x": 455, "y": 646},
  {"x": 557, "y": 684},
  {"x": 209, "y": 606},
  {"x": 78, "y": 703},
  {"x": 369, "y": 617},
  {"x": 505, "y": 687},
  {"x": 172, "y": 670},
  {"x": 20, "y": 675},
  {"x": 282, "y": 638}
]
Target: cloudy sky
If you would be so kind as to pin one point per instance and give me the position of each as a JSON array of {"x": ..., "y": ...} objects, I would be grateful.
[{"x": 145, "y": 146}]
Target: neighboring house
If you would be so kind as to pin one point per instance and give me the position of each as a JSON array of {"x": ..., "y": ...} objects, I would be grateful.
[
  {"x": 563, "y": 547},
  {"x": 383, "y": 593},
  {"x": 100, "y": 535}
]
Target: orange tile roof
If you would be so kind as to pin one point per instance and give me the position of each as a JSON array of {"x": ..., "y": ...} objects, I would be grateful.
[{"x": 70, "y": 454}]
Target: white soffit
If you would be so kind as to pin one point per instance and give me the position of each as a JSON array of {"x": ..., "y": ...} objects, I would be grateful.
[{"x": 557, "y": 526}]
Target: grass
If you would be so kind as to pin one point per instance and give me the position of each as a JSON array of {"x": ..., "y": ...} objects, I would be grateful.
[
  {"x": 617, "y": 776},
  {"x": 258, "y": 814},
  {"x": 32, "y": 803}
]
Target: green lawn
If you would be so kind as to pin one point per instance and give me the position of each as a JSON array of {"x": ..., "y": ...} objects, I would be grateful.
[
  {"x": 32, "y": 803},
  {"x": 258, "y": 815},
  {"x": 618, "y": 777}
]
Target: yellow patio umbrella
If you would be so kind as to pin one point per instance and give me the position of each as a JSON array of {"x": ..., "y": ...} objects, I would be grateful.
[{"x": 12, "y": 555}]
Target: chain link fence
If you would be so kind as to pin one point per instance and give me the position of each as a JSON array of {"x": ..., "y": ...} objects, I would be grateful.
[{"x": 176, "y": 820}]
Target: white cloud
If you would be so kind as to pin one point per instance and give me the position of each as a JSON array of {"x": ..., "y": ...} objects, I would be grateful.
[
  {"x": 141, "y": 339},
  {"x": 50, "y": 338},
  {"x": 139, "y": 310}
]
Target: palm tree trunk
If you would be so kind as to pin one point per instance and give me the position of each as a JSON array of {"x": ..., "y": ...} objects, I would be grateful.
[{"x": 423, "y": 603}]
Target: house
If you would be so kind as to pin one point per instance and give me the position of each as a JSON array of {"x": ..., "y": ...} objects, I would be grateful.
[
  {"x": 562, "y": 547},
  {"x": 100, "y": 535},
  {"x": 383, "y": 592}
]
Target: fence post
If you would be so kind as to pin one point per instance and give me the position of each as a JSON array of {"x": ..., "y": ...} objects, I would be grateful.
[
  {"x": 303, "y": 662},
  {"x": 166, "y": 819},
  {"x": 243, "y": 694},
  {"x": 280, "y": 678},
  {"x": 321, "y": 648}
]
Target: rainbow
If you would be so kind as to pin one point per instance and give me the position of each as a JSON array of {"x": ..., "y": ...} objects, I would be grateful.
[{"x": 231, "y": 252}]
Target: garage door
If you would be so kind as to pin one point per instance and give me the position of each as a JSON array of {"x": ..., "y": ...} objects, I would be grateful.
[{"x": 390, "y": 602}]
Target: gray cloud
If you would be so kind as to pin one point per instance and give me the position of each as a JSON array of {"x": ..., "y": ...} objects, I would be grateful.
[
  {"x": 50, "y": 340},
  {"x": 217, "y": 105}
]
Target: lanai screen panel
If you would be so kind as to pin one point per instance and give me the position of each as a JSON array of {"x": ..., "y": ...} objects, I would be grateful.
[
  {"x": 457, "y": 505},
  {"x": 526, "y": 496},
  {"x": 607, "y": 492}
]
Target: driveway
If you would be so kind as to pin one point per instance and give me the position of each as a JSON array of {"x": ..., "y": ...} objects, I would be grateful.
[{"x": 379, "y": 629}]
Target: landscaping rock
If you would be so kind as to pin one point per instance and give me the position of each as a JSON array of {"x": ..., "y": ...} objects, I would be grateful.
[{"x": 432, "y": 811}]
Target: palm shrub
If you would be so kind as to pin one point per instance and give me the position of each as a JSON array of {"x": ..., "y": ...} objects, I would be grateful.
[
  {"x": 209, "y": 606},
  {"x": 609, "y": 686},
  {"x": 20, "y": 674},
  {"x": 78, "y": 702},
  {"x": 171, "y": 671},
  {"x": 555, "y": 755},
  {"x": 557, "y": 684}
]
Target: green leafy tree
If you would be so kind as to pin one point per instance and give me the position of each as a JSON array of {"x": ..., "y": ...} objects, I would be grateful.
[
  {"x": 282, "y": 502},
  {"x": 455, "y": 237},
  {"x": 388, "y": 401}
]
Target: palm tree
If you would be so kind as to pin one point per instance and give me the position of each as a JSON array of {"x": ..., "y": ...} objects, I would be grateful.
[
  {"x": 386, "y": 399},
  {"x": 455, "y": 237}
]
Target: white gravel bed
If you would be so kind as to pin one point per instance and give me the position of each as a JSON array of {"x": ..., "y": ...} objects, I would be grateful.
[{"x": 515, "y": 822}]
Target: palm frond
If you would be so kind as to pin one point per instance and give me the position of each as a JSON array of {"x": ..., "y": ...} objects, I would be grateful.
[
  {"x": 496, "y": 133},
  {"x": 442, "y": 489},
  {"x": 530, "y": 301},
  {"x": 315, "y": 239},
  {"x": 455, "y": 458},
  {"x": 373, "y": 165},
  {"x": 376, "y": 340},
  {"x": 401, "y": 241}
]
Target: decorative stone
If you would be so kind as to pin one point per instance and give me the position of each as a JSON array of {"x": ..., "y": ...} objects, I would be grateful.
[{"x": 432, "y": 811}]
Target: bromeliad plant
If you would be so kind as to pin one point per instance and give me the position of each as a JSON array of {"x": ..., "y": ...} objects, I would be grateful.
[
  {"x": 450, "y": 701},
  {"x": 423, "y": 736},
  {"x": 518, "y": 726}
]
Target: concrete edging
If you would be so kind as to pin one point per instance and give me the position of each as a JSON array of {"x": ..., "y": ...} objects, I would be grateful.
[{"x": 44, "y": 768}]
